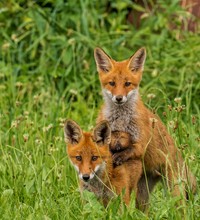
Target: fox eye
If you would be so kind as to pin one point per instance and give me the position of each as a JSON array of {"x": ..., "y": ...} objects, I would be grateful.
[
  {"x": 94, "y": 158},
  {"x": 79, "y": 158},
  {"x": 112, "y": 83},
  {"x": 127, "y": 84}
]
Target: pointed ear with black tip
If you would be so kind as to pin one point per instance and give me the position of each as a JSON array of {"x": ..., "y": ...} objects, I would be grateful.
[
  {"x": 136, "y": 62},
  {"x": 72, "y": 132},
  {"x": 102, "y": 133},
  {"x": 103, "y": 61}
]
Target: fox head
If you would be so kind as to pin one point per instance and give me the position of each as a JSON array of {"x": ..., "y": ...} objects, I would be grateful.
[
  {"x": 88, "y": 153},
  {"x": 119, "y": 141},
  {"x": 120, "y": 80}
]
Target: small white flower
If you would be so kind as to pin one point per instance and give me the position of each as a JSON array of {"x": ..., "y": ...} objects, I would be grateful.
[
  {"x": 73, "y": 91},
  {"x": 5, "y": 46},
  {"x": 57, "y": 138},
  {"x": 178, "y": 99},
  {"x": 62, "y": 120},
  {"x": 61, "y": 125},
  {"x": 154, "y": 73},
  {"x": 151, "y": 96},
  {"x": 25, "y": 136},
  {"x": 14, "y": 37},
  {"x": 18, "y": 84},
  {"x": 15, "y": 124},
  {"x": 26, "y": 113},
  {"x": 18, "y": 103},
  {"x": 153, "y": 120},
  {"x": 38, "y": 141},
  {"x": 171, "y": 124},
  {"x": 45, "y": 129},
  {"x": 45, "y": 114},
  {"x": 71, "y": 41}
]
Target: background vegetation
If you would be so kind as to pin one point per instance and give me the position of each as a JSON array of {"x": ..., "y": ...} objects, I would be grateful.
[{"x": 48, "y": 74}]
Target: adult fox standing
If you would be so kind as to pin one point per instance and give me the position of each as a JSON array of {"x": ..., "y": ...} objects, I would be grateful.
[{"x": 125, "y": 111}]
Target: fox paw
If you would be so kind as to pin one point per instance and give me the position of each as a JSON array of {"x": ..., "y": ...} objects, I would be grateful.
[
  {"x": 118, "y": 147},
  {"x": 117, "y": 160}
]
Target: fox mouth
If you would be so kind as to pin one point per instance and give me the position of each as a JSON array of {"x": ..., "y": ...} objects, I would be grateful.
[{"x": 119, "y": 103}]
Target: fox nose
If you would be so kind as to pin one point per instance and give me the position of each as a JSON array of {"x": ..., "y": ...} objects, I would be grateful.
[
  {"x": 119, "y": 98},
  {"x": 86, "y": 177}
]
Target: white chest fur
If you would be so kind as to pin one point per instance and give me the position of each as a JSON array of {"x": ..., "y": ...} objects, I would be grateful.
[{"x": 122, "y": 117}]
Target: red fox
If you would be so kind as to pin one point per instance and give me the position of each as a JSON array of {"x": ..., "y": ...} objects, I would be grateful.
[
  {"x": 125, "y": 111},
  {"x": 91, "y": 157}
]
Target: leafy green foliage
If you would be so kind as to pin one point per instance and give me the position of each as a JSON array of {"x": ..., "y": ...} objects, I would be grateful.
[{"x": 48, "y": 74}]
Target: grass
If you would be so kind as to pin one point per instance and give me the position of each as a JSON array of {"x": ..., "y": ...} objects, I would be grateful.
[{"x": 48, "y": 74}]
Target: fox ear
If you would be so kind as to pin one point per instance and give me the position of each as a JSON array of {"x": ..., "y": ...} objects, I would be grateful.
[
  {"x": 72, "y": 132},
  {"x": 103, "y": 61},
  {"x": 102, "y": 133},
  {"x": 136, "y": 62}
]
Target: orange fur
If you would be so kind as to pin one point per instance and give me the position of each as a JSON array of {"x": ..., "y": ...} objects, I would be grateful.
[
  {"x": 123, "y": 149},
  {"x": 126, "y": 112},
  {"x": 107, "y": 180}
]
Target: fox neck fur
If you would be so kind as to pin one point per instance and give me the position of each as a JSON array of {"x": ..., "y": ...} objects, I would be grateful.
[{"x": 123, "y": 117}]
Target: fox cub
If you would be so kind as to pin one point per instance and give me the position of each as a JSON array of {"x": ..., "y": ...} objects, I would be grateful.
[
  {"x": 125, "y": 111},
  {"x": 90, "y": 155}
]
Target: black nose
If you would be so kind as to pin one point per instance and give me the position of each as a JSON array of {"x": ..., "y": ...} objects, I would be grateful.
[
  {"x": 119, "y": 98},
  {"x": 86, "y": 177}
]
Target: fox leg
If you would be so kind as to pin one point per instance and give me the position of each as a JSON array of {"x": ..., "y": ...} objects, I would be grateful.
[
  {"x": 122, "y": 156},
  {"x": 127, "y": 196},
  {"x": 146, "y": 185},
  {"x": 133, "y": 152},
  {"x": 124, "y": 187}
]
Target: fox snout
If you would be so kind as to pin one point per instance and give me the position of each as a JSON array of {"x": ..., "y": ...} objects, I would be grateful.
[
  {"x": 86, "y": 177},
  {"x": 119, "y": 99}
]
